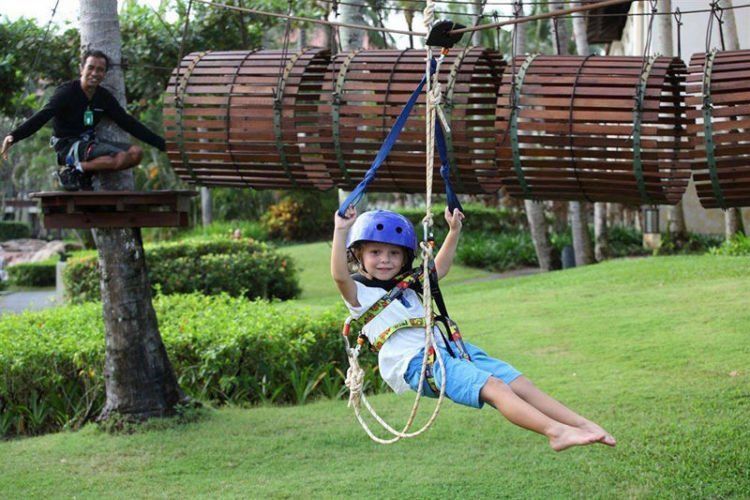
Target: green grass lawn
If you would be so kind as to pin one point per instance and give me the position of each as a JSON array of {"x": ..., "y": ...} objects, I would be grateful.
[{"x": 656, "y": 350}]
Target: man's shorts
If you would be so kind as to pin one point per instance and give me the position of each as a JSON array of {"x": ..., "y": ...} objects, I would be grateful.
[
  {"x": 464, "y": 379},
  {"x": 90, "y": 149}
]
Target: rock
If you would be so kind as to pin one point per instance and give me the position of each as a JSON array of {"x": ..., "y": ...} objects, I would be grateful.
[
  {"x": 49, "y": 250},
  {"x": 29, "y": 250}
]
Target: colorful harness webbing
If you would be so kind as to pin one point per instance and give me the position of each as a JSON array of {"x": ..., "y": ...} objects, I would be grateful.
[{"x": 412, "y": 279}]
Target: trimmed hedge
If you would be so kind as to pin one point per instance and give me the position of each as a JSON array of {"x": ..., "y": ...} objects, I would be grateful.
[
  {"x": 33, "y": 273},
  {"x": 240, "y": 268},
  {"x": 223, "y": 349},
  {"x": 10, "y": 230}
]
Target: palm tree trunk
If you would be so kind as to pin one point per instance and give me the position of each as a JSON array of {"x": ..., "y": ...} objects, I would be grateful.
[
  {"x": 478, "y": 7},
  {"x": 601, "y": 240},
  {"x": 733, "y": 216},
  {"x": 601, "y": 243},
  {"x": 139, "y": 379},
  {"x": 207, "y": 213},
  {"x": 662, "y": 44},
  {"x": 352, "y": 12},
  {"x": 535, "y": 209},
  {"x": 576, "y": 210}
]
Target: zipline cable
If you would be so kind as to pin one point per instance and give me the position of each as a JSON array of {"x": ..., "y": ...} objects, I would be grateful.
[
  {"x": 559, "y": 14},
  {"x": 564, "y": 12}
]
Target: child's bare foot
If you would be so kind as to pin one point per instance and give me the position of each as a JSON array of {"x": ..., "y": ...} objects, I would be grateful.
[
  {"x": 565, "y": 436},
  {"x": 608, "y": 439}
]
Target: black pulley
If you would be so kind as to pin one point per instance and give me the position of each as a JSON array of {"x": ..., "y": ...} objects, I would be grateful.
[{"x": 441, "y": 34}]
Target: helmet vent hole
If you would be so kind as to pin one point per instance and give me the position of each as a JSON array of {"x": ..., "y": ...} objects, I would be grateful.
[
  {"x": 379, "y": 227},
  {"x": 399, "y": 229}
]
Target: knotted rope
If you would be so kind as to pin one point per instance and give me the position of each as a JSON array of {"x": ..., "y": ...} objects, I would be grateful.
[{"x": 355, "y": 374}]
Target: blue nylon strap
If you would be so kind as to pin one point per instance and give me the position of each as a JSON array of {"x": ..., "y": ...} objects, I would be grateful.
[
  {"x": 445, "y": 168},
  {"x": 356, "y": 195},
  {"x": 385, "y": 149}
]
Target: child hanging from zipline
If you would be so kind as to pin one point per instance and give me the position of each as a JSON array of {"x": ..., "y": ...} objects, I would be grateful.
[{"x": 381, "y": 245}]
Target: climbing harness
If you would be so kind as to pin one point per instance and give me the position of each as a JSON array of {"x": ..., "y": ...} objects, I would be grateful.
[{"x": 423, "y": 280}]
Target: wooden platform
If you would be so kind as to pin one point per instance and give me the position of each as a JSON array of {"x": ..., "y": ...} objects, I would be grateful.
[{"x": 99, "y": 209}]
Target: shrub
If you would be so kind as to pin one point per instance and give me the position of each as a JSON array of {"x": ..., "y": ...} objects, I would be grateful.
[
  {"x": 625, "y": 242},
  {"x": 33, "y": 273},
  {"x": 738, "y": 245},
  {"x": 695, "y": 243},
  {"x": 14, "y": 230},
  {"x": 303, "y": 216},
  {"x": 237, "y": 267},
  {"x": 479, "y": 219},
  {"x": 497, "y": 252},
  {"x": 223, "y": 349}
]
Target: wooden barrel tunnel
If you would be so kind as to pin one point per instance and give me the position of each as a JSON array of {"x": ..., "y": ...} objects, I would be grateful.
[
  {"x": 370, "y": 88},
  {"x": 718, "y": 87},
  {"x": 599, "y": 128},
  {"x": 264, "y": 119},
  {"x": 235, "y": 118}
]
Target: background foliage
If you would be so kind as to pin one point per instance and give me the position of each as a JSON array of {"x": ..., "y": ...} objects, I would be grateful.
[
  {"x": 239, "y": 268},
  {"x": 223, "y": 350},
  {"x": 33, "y": 274}
]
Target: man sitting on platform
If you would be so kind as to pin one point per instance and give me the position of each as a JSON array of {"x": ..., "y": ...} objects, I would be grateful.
[{"x": 77, "y": 107}]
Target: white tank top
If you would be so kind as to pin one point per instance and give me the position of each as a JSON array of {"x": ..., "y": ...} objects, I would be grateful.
[{"x": 402, "y": 346}]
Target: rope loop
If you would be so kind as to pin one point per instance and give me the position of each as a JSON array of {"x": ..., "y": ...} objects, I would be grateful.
[{"x": 355, "y": 377}]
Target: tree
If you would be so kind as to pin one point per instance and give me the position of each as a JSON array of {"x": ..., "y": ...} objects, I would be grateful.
[
  {"x": 353, "y": 12},
  {"x": 600, "y": 209},
  {"x": 662, "y": 44},
  {"x": 534, "y": 209},
  {"x": 139, "y": 379},
  {"x": 576, "y": 210},
  {"x": 732, "y": 216}
]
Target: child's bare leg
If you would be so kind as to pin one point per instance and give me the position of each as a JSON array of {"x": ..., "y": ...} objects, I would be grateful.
[
  {"x": 554, "y": 409},
  {"x": 521, "y": 413}
]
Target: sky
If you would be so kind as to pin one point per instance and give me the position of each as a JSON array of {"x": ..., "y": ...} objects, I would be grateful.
[
  {"x": 41, "y": 10},
  {"x": 67, "y": 10}
]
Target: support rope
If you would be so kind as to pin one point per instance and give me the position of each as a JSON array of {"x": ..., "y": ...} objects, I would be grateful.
[{"x": 355, "y": 374}]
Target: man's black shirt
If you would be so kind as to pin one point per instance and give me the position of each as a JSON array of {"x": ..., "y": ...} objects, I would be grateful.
[{"x": 68, "y": 105}]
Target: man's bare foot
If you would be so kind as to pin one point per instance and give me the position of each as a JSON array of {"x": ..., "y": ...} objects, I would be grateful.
[
  {"x": 566, "y": 436},
  {"x": 608, "y": 439}
]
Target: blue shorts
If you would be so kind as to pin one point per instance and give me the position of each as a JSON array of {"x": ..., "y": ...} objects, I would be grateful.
[{"x": 464, "y": 379}]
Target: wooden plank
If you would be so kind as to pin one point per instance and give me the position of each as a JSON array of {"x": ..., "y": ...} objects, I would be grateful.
[{"x": 124, "y": 219}]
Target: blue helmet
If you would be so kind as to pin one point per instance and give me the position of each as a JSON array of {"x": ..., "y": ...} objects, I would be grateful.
[{"x": 384, "y": 226}]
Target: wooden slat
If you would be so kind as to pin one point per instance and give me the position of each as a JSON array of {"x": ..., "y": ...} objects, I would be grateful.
[
  {"x": 730, "y": 96},
  {"x": 578, "y": 145}
]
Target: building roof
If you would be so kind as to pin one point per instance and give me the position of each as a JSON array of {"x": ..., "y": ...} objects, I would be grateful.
[{"x": 605, "y": 29}]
